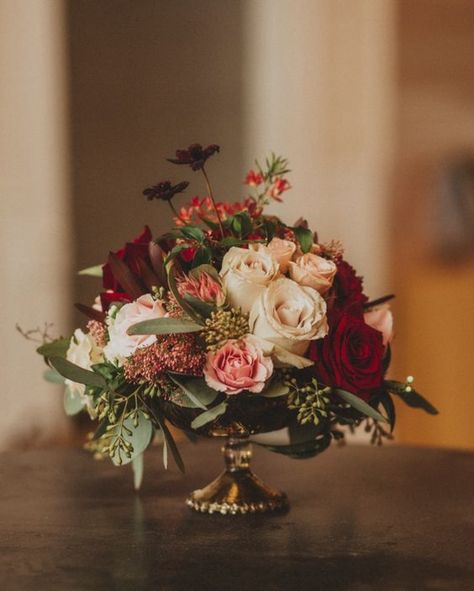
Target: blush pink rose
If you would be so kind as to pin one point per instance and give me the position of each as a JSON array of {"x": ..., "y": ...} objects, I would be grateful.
[
  {"x": 238, "y": 365},
  {"x": 121, "y": 344},
  {"x": 283, "y": 251},
  {"x": 381, "y": 319}
]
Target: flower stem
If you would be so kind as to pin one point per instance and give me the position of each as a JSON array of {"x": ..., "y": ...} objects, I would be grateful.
[{"x": 211, "y": 195}]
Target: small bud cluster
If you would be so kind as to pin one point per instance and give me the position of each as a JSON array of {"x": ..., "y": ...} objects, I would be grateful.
[
  {"x": 223, "y": 325},
  {"x": 309, "y": 400}
]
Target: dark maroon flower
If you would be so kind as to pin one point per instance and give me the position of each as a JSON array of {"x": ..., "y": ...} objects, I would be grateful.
[
  {"x": 195, "y": 155},
  {"x": 348, "y": 288},
  {"x": 130, "y": 254},
  {"x": 164, "y": 190},
  {"x": 350, "y": 356}
]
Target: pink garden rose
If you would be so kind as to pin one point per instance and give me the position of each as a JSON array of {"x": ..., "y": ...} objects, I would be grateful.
[
  {"x": 121, "y": 345},
  {"x": 204, "y": 288},
  {"x": 313, "y": 271},
  {"x": 381, "y": 319},
  {"x": 282, "y": 251},
  {"x": 238, "y": 365}
]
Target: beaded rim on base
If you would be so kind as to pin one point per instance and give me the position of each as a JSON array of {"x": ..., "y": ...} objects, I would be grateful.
[{"x": 271, "y": 505}]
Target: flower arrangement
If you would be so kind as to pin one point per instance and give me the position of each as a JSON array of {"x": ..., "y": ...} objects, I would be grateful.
[{"x": 233, "y": 320}]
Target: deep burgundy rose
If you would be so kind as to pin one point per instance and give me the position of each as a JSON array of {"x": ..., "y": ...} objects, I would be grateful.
[
  {"x": 350, "y": 356},
  {"x": 348, "y": 287},
  {"x": 129, "y": 254}
]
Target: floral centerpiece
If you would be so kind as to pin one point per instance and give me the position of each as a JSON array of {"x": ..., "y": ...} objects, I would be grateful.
[{"x": 233, "y": 323}]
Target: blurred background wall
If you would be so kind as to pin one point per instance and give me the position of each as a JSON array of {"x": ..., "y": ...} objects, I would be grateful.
[{"x": 369, "y": 99}]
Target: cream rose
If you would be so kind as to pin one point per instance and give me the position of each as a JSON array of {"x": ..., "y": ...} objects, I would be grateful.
[
  {"x": 238, "y": 365},
  {"x": 282, "y": 251},
  {"x": 83, "y": 352},
  {"x": 245, "y": 274},
  {"x": 122, "y": 345},
  {"x": 313, "y": 271},
  {"x": 289, "y": 315},
  {"x": 381, "y": 319}
]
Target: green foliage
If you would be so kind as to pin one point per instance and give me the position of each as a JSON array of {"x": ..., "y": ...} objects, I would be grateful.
[
  {"x": 77, "y": 374},
  {"x": 95, "y": 271},
  {"x": 210, "y": 415},
  {"x": 73, "y": 403},
  {"x": 198, "y": 393},
  {"x": 168, "y": 440},
  {"x": 410, "y": 396},
  {"x": 302, "y": 450},
  {"x": 164, "y": 326},
  {"x": 129, "y": 437},
  {"x": 56, "y": 348},
  {"x": 310, "y": 401},
  {"x": 275, "y": 389},
  {"x": 53, "y": 377},
  {"x": 360, "y": 405},
  {"x": 304, "y": 237}
]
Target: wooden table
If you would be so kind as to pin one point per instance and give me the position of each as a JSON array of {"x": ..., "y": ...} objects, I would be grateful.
[{"x": 361, "y": 519}]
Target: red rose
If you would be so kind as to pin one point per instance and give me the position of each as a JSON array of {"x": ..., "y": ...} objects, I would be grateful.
[
  {"x": 129, "y": 254},
  {"x": 348, "y": 287},
  {"x": 350, "y": 356}
]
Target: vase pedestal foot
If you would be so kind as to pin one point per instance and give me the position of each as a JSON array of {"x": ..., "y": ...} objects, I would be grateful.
[
  {"x": 237, "y": 490},
  {"x": 235, "y": 493}
]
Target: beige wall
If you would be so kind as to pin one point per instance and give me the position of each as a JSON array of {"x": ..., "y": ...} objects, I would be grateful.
[
  {"x": 35, "y": 239},
  {"x": 146, "y": 78},
  {"x": 321, "y": 82}
]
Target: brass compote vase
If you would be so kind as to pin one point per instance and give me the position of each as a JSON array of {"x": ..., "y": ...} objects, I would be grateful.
[{"x": 237, "y": 490}]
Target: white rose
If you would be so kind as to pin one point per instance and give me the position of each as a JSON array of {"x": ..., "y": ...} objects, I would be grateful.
[
  {"x": 282, "y": 251},
  {"x": 83, "y": 352},
  {"x": 289, "y": 315},
  {"x": 122, "y": 345},
  {"x": 245, "y": 274},
  {"x": 313, "y": 271}
]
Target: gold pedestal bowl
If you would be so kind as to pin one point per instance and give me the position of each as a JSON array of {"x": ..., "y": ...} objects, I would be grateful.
[{"x": 237, "y": 490}]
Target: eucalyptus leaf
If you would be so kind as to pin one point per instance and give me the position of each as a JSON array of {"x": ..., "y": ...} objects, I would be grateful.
[
  {"x": 387, "y": 403},
  {"x": 360, "y": 405},
  {"x": 303, "y": 450},
  {"x": 57, "y": 348},
  {"x": 137, "y": 467},
  {"x": 95, "y": 271},
  {"x": 77, "y": 374},
  {"x": 140, "y": 438},
  {"x": 164, "y": 326},
  {"x": 196, "y": 389},
  {"x": 274, "y": 390},
  {"x": 285, "y": 358},
  {"x": 73, "y": 403},
  {"x": 169, "y": 441},
  {"x": 205, "y": 309},
  {"x": 53, "y": 377},
  {"x": 209, "y": 416}
]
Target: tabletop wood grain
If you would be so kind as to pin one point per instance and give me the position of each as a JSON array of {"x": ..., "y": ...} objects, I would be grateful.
[{"x": 361, "y": 519}]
